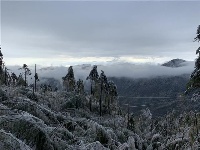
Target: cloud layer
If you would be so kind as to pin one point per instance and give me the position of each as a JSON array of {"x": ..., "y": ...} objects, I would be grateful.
[{"x": 113, "y": 70}]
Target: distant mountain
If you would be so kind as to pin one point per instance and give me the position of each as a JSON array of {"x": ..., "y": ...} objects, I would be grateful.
[{"x": 174, "y": 63}]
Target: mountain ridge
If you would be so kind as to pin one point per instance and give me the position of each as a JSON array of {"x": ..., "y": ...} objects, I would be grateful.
[{"x": 174, "y": 63}]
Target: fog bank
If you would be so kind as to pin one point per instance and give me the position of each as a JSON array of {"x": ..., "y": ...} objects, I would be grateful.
[{"x": 113, "y": 70}]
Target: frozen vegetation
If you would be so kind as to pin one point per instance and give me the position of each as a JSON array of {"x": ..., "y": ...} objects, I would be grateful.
[{"x": 54, "y": 122}]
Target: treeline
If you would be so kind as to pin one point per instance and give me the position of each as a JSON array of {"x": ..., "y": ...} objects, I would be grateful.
[
  {"x": 103, "y": 93},
  {"x": 10, "y": 78}
]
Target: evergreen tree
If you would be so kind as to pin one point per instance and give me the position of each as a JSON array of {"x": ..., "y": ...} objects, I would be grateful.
[
  {"x": 7, "y": 77},
  {"x": 14, "y": 78},
  {"x": 197, "y": 38},
  {"x": 4, "y": 74},
  {"x": 112, "y": 94},
  {"x": 1, "y": 65},
  {"x": 36, "y": 79},
  {"x": 194, "y": 83},
  {"x": 80, "y": 86},
  {"x": 20, "y": 80},
  {"x": 1, "y": 60},
  {"x": 103, "y": 85},
  {"x": 1, "y": 55},
  {"x": 93, "y": 77},
  {"x": 131, "y": 122},
  {"x": 27, "y": 72},
  {"x": 69, "y": 80}
]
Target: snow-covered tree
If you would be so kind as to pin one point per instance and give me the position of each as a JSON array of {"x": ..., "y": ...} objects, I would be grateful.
[
  {"x": 103, "y": 85},
  {"x": 26, "y": 73},
  {"x": 4, "y": 74},
  {"x": 194, "y": 83},
  {"x": 93, "y": 77},
  {"x": 7, "y": 77},
  {"x": 111, "y": 95},
  {"x": 69, "y": 80},
  {"x": 20, "y": 81},
  {"x": 36, "y": 79},
  {"x": 80, "y": 86},
  {"x": 14, "y": 78},
  {"x": 1, "y": 62},
  {"x": 197, "y": 38},
  {"x": 1, "y": 67}
]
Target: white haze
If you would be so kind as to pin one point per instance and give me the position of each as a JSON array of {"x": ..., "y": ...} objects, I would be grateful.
[{"x": 112, "y": 70}]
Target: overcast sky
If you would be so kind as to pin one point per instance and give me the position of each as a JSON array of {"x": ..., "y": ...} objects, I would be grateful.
[{"x": 69, "y": 33}]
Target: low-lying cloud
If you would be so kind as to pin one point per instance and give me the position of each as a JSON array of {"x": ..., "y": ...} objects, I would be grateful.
[{"x": 114, "y": 70}]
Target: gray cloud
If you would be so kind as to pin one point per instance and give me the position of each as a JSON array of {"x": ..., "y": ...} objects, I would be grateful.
[{"x": 80, "y": 29}]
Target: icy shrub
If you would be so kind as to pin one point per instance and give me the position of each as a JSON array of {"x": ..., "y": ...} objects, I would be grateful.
[
  {"x": 32, "y": 96},
  {"x": 23, "y": 90},
  {"x": 29, "y": 128},
  {"x": 36, "y": 134},
  {"x": 101, "y": 137},
  {"x": 96, "y": 146},
  {"x": 10, "y": 142},
  {"x": 73, "y": 101}
]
